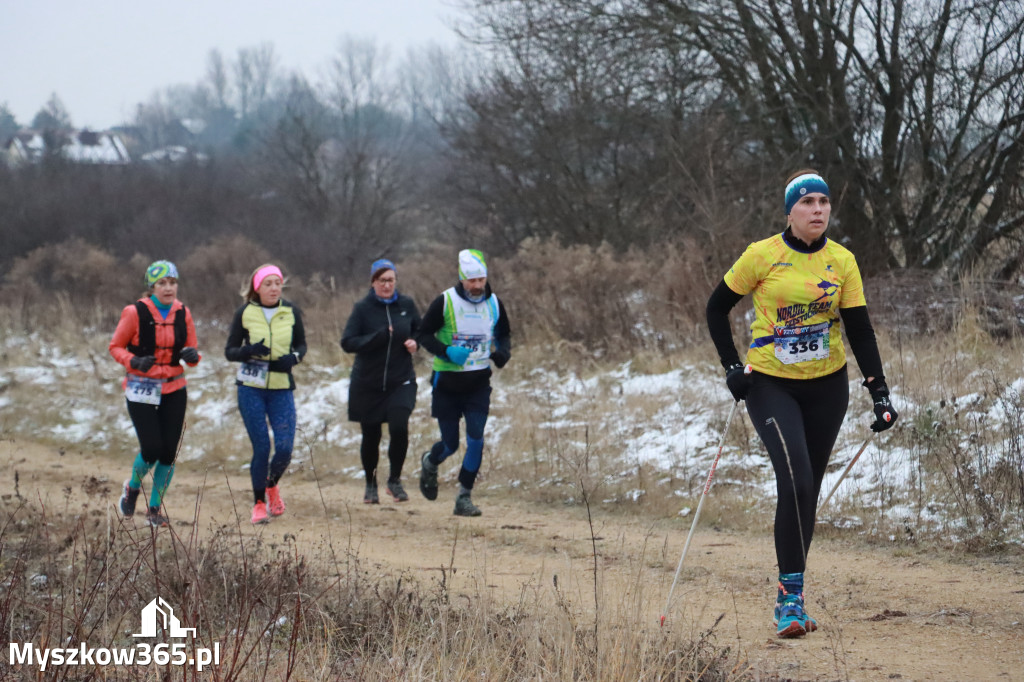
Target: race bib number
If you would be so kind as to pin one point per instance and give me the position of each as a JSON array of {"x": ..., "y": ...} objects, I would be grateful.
[
  {"x": 801, "y": 344},
  {"x": 479, "y": 346},
  {"x": 142, "y": 390},
  {"x": 254, "y": 373}
]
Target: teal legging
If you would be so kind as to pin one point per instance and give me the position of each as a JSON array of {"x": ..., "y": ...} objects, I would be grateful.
[{"x": 161, "y": 479}]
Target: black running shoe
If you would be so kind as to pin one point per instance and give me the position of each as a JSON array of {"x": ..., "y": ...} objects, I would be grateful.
[
  {"x": 397, "y": 491},
  {"x": 156, "y": 519},
  {"x": 128, "y": 497},
  {"x": 428, "y": 477},
  {"x": 464, "y": 507}
]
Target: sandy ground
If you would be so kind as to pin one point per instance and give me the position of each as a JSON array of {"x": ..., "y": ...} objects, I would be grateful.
[{"x": 883, "y": 614}]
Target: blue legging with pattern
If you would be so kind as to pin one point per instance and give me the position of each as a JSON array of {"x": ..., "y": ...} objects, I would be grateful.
[{"x": 258, "y": 407}]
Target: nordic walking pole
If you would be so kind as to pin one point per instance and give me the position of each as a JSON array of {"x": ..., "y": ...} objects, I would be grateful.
[
  {"x": 887, "y": 417},
  {"x": 696, "y": 516},
  {"x": 846, "y": 471}
]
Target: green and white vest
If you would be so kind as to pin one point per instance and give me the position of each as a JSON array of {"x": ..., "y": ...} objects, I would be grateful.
[{"x": 470, "y": 325}]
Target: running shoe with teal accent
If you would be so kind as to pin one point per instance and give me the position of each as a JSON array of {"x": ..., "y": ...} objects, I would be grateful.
[
  {"x": 371, "y": 496},
  {"x": 810, "y": 625},
  {"x": 790, "y": 618}
]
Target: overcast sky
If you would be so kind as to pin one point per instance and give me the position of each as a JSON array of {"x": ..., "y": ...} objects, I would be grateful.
[{"x": 104, "y": 57}]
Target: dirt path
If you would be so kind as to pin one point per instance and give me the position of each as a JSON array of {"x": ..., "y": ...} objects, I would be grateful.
[{"x": 883, "y": 615}]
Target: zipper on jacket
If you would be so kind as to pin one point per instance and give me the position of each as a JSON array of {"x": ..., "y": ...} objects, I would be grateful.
[{"x": 387, "y": 358}]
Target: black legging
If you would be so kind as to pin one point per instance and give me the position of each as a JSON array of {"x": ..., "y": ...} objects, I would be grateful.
[
  {"x": 809, "y": 413},
  {"x": 159, "y": 426},
  {"x": 398, "y": 432}
]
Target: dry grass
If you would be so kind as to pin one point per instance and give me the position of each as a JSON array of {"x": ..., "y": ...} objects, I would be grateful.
[
  {"x": 561, "y": 417},
  {"x": 81, "y": 574}
]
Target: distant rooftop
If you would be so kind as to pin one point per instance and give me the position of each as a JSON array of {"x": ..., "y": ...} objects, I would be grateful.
[{"x": 81, "y": 146}]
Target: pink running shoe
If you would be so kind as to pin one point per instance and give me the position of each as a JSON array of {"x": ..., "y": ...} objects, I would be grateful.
[
  {"x": 259, "y": 513},
  {"x": 274, "y": 502}
]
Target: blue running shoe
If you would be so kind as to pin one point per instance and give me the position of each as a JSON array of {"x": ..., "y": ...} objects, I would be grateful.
[
  {"x": 810, "y": 625},
  {"x": 790, "y": 617}
]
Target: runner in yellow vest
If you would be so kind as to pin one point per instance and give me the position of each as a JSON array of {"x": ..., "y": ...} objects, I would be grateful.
[
  {"x": 467, "y": 329},
  {"x": 802, "y": 285},
  {"x": 268, "y": 339}
]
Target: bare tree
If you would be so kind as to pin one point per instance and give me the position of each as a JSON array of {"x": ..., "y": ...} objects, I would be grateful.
[
  {"x": 912, "y": 109},
  {"x": 584, "y": 125},
  {"x": 254, "y": 69},
  {"x": 217, "y": 78},
  {"x": 53, "y": 116},
  {"x": 343, "y": 154},
  {"x": 628, "y": 120}
]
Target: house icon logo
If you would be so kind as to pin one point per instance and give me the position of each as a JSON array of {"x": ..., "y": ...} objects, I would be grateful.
[{"x": 158, "y": 615}]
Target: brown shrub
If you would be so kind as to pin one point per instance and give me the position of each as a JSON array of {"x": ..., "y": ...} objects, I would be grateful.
[
  {"x": 213, "y": 273},
  {"x": 67, "y": 282},
  {"x": 603, "y": 299}
]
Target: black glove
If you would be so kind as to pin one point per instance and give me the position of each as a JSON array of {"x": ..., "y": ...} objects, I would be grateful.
[
  {"x": 500, "y": 358},
  {"x": 142, "y": 363},
  {"x": 247, "y": 352},
  {"x": 885, "y": 413},
  {"x": 189, "y": 355},
  {"x": 284, "y": 363},
  {"x": 738, "y": 381}
]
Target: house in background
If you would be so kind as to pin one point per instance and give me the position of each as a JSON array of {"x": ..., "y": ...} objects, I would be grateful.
[{"x": 82, "y": 146}]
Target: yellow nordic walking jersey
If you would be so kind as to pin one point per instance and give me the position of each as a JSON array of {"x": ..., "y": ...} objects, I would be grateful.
[{"x": 797, "y": 296}]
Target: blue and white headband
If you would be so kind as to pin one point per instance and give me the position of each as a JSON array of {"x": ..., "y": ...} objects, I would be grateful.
[{"x": 803, "y": 185}]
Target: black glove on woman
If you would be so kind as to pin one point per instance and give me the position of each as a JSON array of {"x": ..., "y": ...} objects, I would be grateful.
[
  {"x": 189, "y": 355},
  {"x": 885, "y": 413},
  {"x": 284, "y": 363},
  {"x": 142, "y": 363},
  {"x": 246, "y": 353},
  {"x": 738, "y": 381}
]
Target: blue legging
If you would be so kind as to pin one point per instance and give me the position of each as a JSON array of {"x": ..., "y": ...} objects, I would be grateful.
[
  {"x": 258, "y": 406},
  {"x": 449, "y": 443}
]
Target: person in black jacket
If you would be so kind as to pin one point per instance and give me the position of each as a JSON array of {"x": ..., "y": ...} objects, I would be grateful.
[
  {"x": 467, "y": 329},
  {"x": 381, "y": 332}
]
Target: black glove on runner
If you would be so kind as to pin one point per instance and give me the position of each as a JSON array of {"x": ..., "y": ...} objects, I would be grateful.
[
  {"x": 885, "y": 413},
  {"x": 284, "y": 363},
  {"x": 258, "y": 348},
  {"x": 499, "y": 357},
  {"x": 738, "y": 381},
  {"x": 142, "y": 363},
  {"x": 189, "y": 355}
]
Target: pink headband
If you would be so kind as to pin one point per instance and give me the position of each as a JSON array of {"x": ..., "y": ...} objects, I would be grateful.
[{"x": 262, "y": 274}]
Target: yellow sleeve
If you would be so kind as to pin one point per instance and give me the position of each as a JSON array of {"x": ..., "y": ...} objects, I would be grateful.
[
  {"x": 853, "y": 287},
  {"x": 746, "y": 272}
]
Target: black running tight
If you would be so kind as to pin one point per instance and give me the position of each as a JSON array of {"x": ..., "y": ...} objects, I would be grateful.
[
  {"x": 159, "y": 427},
  {"x": 398, "y": 432},
  {"x": 808, "y": 413}
]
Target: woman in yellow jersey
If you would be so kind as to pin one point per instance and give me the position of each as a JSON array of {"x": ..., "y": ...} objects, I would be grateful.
[{"x": 802, "y": 284}]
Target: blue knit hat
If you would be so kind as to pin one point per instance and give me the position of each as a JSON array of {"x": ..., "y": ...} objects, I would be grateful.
[
  {"x": 380, "y": 265},
  {"x": 802, "y": 185},
  {"x": 160, "y": 269}
]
